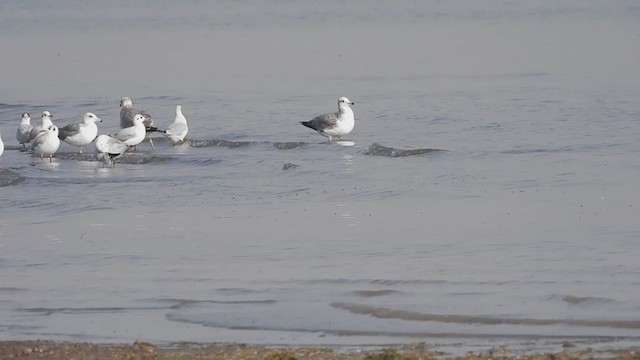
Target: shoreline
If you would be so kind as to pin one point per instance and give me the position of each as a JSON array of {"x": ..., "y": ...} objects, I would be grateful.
[{"x": 47, "y": 349}]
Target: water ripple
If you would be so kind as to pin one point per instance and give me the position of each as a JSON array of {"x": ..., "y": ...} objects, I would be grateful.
[
  {"x": 10, "y": 177},
  {"x": 388, "y": 313},
  {"x": 380, "y": 150}
]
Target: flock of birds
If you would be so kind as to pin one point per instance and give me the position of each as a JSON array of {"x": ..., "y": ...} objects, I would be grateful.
[{"x": 135, "y": 127}]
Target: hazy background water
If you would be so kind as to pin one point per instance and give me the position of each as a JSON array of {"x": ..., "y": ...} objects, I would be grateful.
[{"x": 523, "y": 232}]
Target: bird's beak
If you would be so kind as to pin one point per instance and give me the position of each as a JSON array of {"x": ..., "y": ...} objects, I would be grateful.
[{"x": 353, "y": 103}]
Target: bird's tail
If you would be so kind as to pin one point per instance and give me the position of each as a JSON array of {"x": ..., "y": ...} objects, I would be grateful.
[
  {"x": 307, "y": 124},
  {"x": 154, "y": 129}
]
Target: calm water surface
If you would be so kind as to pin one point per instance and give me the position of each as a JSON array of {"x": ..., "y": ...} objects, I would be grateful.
[{"x": 523, "y": 232}]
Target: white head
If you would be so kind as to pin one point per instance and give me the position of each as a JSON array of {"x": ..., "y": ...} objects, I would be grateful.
[
  {"x": 138, "y": 119},
  {"x": 53, "y": 129},
  {"x": 178, "y": 108},
  {"x": 26, "y": 118},
  {"x": 344, "y": 101},
  {"x": 126, "y": 101},
  {"x": 46, "y": 114},
  {"x": 91, "y": 117}
]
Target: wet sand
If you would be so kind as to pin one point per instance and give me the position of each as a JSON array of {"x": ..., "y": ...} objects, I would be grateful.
[{"x": 142, "y": 350}]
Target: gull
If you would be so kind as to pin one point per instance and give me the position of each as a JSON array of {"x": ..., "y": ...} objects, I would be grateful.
[
  {"x": 132, "y": 135},
  {"x": 128, "y": 113},
  {"x": 178, "y": 129},
  {"x": 46, "y": 123},
  {"x": 46, "y": 143},
  {"x": 1, "y": 145},
  {"x": 23, "y": 134},
  {"x": 80, "y": 134},
  {"x": 336, "y": 124},
  {"x": 109, "y": 149}
]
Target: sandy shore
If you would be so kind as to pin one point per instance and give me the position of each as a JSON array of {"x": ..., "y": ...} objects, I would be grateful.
[{"x": 185, "y": 351}]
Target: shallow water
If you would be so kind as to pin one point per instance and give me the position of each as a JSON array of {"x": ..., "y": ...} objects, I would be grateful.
[{"x": 523, "y": 231}]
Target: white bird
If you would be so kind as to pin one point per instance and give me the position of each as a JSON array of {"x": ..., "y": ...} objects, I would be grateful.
[
  {"x": 46, "y": 123},
  {"x": 132, "y": 135},
  {"x": 109, "y": 149},
  {"x": 46, "y": 143},
  {"x": 128, "y": 113},
  {"x": 23, "y": 134},
  {"x": 178, "y": 129},
  {"x": 80, "y": 134},
  {"x": 1, "y": 145},
  {"x": 336, "y": 124}
]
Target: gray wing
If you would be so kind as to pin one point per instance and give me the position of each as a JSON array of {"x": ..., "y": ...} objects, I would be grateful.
[
  {"x": 127, "y": 113},
  {"x": 34, "y": 133},
  {"x": 322, "y": 122},
  {"x": 68, "y": 130},
  {"x": 39, "y": 139},
  {"x": 126, "y": 133},
  {"x": 23, "y": 134}
]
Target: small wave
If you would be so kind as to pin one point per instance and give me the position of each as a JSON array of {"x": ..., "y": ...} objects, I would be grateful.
[
  {"x": 280, "y": 145},
  {"x": 127, "y": 158},
  {"x": 180, "y": 303},
  {"x": 204, "y": 162},
  {"x": 580, "y": 300},
  {"x": 164, "y": 98},
  {"x": 82, "y": 209},
  {"x": 221, "y": 143},
  {"x": 84, "y": 310},
  {"x": 380, "y": 150},
  {"x": 12, "y": 106},
  {"x": 288, "y": 145},
  {"x": 288, "y": 166},
  {"x": 10, "y": 177},
  {"x": 387, "y": 313},
  {"x": 11, "y": 289},
  {"x": 536, "y": 151},
  {"x": 374, "y": 293},
  {"x": 385, "y": 282}
]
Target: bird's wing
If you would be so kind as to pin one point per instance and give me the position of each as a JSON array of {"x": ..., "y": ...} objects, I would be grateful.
[
  {"x": 68, "y": 130},
  {"x": 126, "y": 133},
  {"x": 177, "y": 129},
  {"x": 322, "y": 122},
  {"x": 116, "y": 146}
]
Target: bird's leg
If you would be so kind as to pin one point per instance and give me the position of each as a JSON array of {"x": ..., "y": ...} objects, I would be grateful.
[{"x": 151, "y": 142}]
